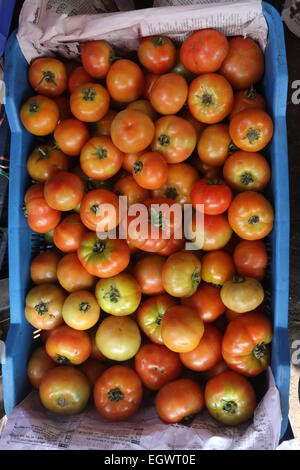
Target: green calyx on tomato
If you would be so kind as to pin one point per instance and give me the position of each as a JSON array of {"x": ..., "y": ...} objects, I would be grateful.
[
  {"x": 232, "y": 148},
  {"x": 137, "y": 167},
  {"x": 113, "y": 295},
  {"x": 159, "y": 318},
  {"x": 229, "y": 406},
  {"x": 99, "y": 246},
  {"x": 33, "y": 107},
  {"x": 187, "y": 419},
  {"x": 171, "y": 193},
  {"x": 115, "y": 395},
  {"x": 164, "y": 140},
  {"x": 206, "y": 99},
  {"x": 42, "y": 308},
  {"x": 49, "y": 77},
  {"x": 95, "y": 209},
  {"x": 252, "y": 135},
  {"x": 250, "y": 94},
  {"x": 196, "y": 277},
  {"x": 84, "y": 307},
  {"x": 214, "y": 182},
  {"x": 253, "y": 220},
  {"x": 62, "y": 402},
  {"x": 237, "y": 279},
  {"x": 260, "y": 350},
  {"x": 101, "y": 153},
  {"x": 62, "y": 359},
  {"x": 246, "y": 178},
  {"x": 158, "y": 41},
  {"x": 44, "y": 154},
  {"x": 89, "y": 94}
]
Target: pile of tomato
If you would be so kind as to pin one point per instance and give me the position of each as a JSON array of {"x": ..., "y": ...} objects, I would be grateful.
[{"x": 134, "y": 317}]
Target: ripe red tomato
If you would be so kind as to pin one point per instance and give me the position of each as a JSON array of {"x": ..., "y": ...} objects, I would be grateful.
[
  {"x": 217, "y": 369},
  {"x": 250, "y": 258},
  {"x": 125, "y": 81},
  {"x": 78, "y": 77},
  {"x": 145, "y": 107},
  {"x": 246, "y": 171},
  {"x": 71, "y": 135},
  {"x": 129, "y": 188},
  {"x": 175, "y": 243},
  {"x": 44, "y": 161},
  {"x": 179, "y": 401},
  {"x": 72, "y": 276},
  {"x": 118, "y": 393},
  {"x": 169, "y": 93},
  {"x": 64, "y": 109},
  {"x": 150, "y": 79},
  {"x": 214, "y": 145},
  {"x": 244, "y": 64},
  {"x": 148, "y": 273},
  {"x": 92, "y": 369},
  {"x": 150, "y": 171},
  {"x": 245, "y": 344},
  {"x": 242, "y": 294},
  {"x": 132, "y": 131},
  {"x": 206, "y": 302},
  {"x": 48, "y": 76},
  {"x": 97, "y": 57},
  {"x": 38, "y": 366},
  {"x": 66, "y": 345},
  {"x": 102, "y": 127},
  {"x": 204, "y": 51},
  {"x": 41, "y": 217},
  {"x": 99, "y": 210},
  {"x": 251, "y": 130},
  {"x": 247, "y": 99},
  {"x": 181, "y": 274},
  {"x": 43, "y": 267},
  {"x": 63, "y": 191},
  {"x": 89, "y": 102},
  {"x": 43, "y": 306},
  {"x": 217, "y": 267},
  {"x": 39, "y": 115},
  {"x": 100, "y": 159},
  {"x": 210, "y": 98},
  {"x": 212, "y": 197},
  {"x": 157, "y": 54},
  {"x": 208, "y": 352},
  {"x": 156, "y": 365},
  {"x": 81, "y": 310},
  {"x": 213, "y": 233},
  {"x": 68, "y": 234},
  {"x": 230, "y": 398}
]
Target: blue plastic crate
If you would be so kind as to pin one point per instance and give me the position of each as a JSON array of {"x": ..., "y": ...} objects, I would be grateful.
[
  {"x": 6, "y": 12},
  {"x": 23, "y": 242}
]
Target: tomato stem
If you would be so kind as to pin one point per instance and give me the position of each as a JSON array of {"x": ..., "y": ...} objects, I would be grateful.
[
  {"x": 214, "y": 182},
  {"x": 113, "y": 295},
  {"x": 188, "y": 419},
  {"x": 95, "y": 209},
  {"x": 115, "y": 395},
  {"x": 196, "y": 277},
  {"x": 62, "y": 402},
  {"x": 84, "y": 307},
  {"x": 159, "y": 318},
  {"x": 246, "y": 178},
  {"x": 253, "y": 220},
  {"x": 164, "y": 140},
  {"x": 42, "y": 308},
  {"x": 49, "y": 77},
  {"x": 44, "y": 153},
  {"x": 156, "y": 218},
  {"x": 158, "y": 41},
  {"x": 137, "y": 167},
  {"x": 260, "y": 350},
  {"x": 33, "y": 107},
  {"x": 252, "y": 135},
  {"x": 99, "y": 246},
  {"x": 232, "y": 148},
  {"x": 100, "y": 153},
  {"x": 250, "y": 94},
  {"x": 229, "y": 406},
  {"x": 62, "y": 359},
  {"x": 206, "y": 99},
  {"x": 89, "y": 94},
  {"x": 171, "y": 193},
  {"x": 237, "y": 278}
]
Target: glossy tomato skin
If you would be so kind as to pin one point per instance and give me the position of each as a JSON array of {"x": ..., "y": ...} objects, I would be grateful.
[
  {"x": 251, "y": 130},
  {"x": 78, "y": 77},
  {"x": 150, "y": 314},
  {"x": 244, "y": 64},
  {"x": 63, "y": 191},
  {"x": 230, "y": 398},
  {"x": 44, "y": 161},
  {"x": 39, "y": 115},
  {"x": 214, "y": 144},
  {"x": 63, "y": 107},
  {"x": 251, "y": 215},
  {"x": 118, "y": 295},
  {"x": 132, "y": 131},
  {"x": 204, "y": 51},
  {"x": 103, "y": 257},
  {"x": 48, "y": 76},
  {"x": 217, "y": 369},
  {"x": 65, "y": 390},
  {"x": 72, "y": 276},
  {"x": 242, "y": 294},
  {"x": 68, "y": 234},
  {"x": 208, "y": 352},
  {"x": 66, "y": 345},
  {"x": 169, "y": 93},
  {"x": 157, "y": 54},
  {"x": 250, "y": 258},
  {"x": 245, "y": 344},
  {"x": 217, "y": 267},
  {"x": 210, "y": 98},
  {"x": 175, "y": 243},
  {"x": 180, "y": 179},
  {"x": 100, "y": 159},
  {"x": 81, "y": 310},
  {"x": 129, "y": 188},
  {"x": 44, "y": 266},
  {"x": 216, "y": 232},
  {"x": 175, "y": 138},
  {"x": 150, "y": 79},
  {"x": 99, "y": 210},
  {"x": 179, "y": 401},
  {"x": 102, "y": 127},
  {"x": 145, "y": 107},
  {"x": 181, "y": 329},
  {"x": 206, "y": 301},
  {"x": 71, "y": 135},
  {"x": 89, "y": 102},
  {"x": 118, "y": 393},
  {"x": 92, "y": 369},
  {"x": 246, "y": 171},
  {"x": 148, "y": 273},
  {"x": 151, "y": 170},
  {"x": 38, "y": 366},
  {"x": 43, "y": 306},
  {"x": 247, "y": 99},
  {"x": 125, "y": 81},
  {"x": 118, "y": 338},
  {"x": 97, "y": 57},
  {"x": 181, "y": 274},
  {"x": 156, "y": 365},
  {"x": 212, "y": 197}
]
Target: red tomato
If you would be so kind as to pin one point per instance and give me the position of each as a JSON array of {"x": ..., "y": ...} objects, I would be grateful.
[
  {"x": 246, "y": 171},
  {"x": 125, "y": 81},
  {"x": 41, "y": 217},
  {"x": 151, "y": 170},
  {"x": 217, "y": 267},
  {"x": 206, "y": 302},
  {"x": 68, "y": 234},
  {"x": 181, "y": 274},
  {"x": 213, "y": 232},
  {"x": 89, "y": 102},
  {"x": 148, "y": 273},
  {"x": 71, "y": 135},
  {"x": 44, "y": 161},
  {"x": 92, "y": 369},
  {"x": 102, "y": 127},
  {"x": 217, "y": 369},
  {"x": 169, "y": 93},
  {"x": 43, "y": 267},
  {"x": 214, "y": 145},
  {"x": 129, "y": 188},
  {"x": 66, "y": 345},
  {"x": 48, "y": 76},
  {"x": 64, "y": 109},
  {"x": 250, "y": 258},
  {"x": 132, "y": 131},
  {"x": 100, "y": 159},
  {"x": 157, "y": 54},
  {"x": 208, "y": 352},
  {"x": 212, "y": 197},
  {"x": 247, "y": 99},
  {"x": 39, "y": 115},
  {"x": 78, "y": 77},
  {"x": 38, "y": 366},
  {"x": 99, "y": 210},
  {"x": 251, "y": 130},
  {"x": 63, "y": 191},
  {"x": 150, "y": 79},
  {"x": 72, "y": 276},
  {"x": 97, "y": 57},
  {"x": 43, "y": 306},
  {"x": 145, "y": 107}
]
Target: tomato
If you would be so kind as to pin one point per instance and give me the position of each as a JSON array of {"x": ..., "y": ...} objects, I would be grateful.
[
  {"x": 212, "y": 197},
  {"x": 145, "y": 107},
  {"x": 39, "y": 115},
  {"x": 129, "y": 188},
  {"x": 245, "y": 346},
  {"x": 181, "y": 274},
  {"x": 148, "y": 273},
  {"x": 175, "y": 138},
  {"x": 68, "y": 234},
  {"x": 197, "y": 125},
  {"x": 43, "y": 306},
  {"x": 208, "y": 352},
  {"x": 157, "y": 54},
  {"x": 251, "y": 216},
  {"x": 130, "y": 159},
  {"x": 63, "y": 191},
  {"x": 118, "y": 338},
  {"x": 44, "y": 161},
  {"x": 38, "y": 366},
  {"x": 92, "y": 369},
  {"x": 97, "y": 57},
  {"x": 251, "y": 130},
  {"x": 179, "y": 401},
  {"x": 175, "y": 243},
  {"x": 150, "y": 314},
  {"x": 78, "y": 77},
  {"x": 118, "y": 295},
  {"x": 95, "y": 353},
  {"x": 102, "y": 127},
  {"x": 217, "y": 267},
  {"x": 210, "y": 98},
  {"x": 89, "y": 102},
  {"x": 64, "y": 109},
  {"x": 151, "y": 170},
  {"x": 181, "y": 70},
  {"x": 66, "y": 345},
  {"x": 205, "y": 171},
  {"x": 181, "y": 328},
  {"x": 215, "y": 232},
  {"x": 247, "y": 99},
  {"x": 71, "y": 135},
  {"x": 72, "y": 276},
  {"x": 81, "y": 310},
  {"x": 169, "y": 93},
  {"x": 132, "y": 131},
  {"x": 214, "y": 144},
  {"x": 48, "y": 76},
  {"x": 65, "y": 390},
  {"x": 242, "y": 294},
  {"x": 247, "y": 171},
  {"x": 251, "y": 258},
  {"x": 43, "y": 267},
  {"x": 244, "y": 64},
  {"x": 118, "y": 393},
  {"x": 100, "y": 159},
  {"x": 206, "y": 302},
  {"x": 103, "y": 257},
  {"x": 150, "y": 79},
  {"x": 231, "y": 314},
  {"x": 99, "y": 210},
  {"x": 156, "y": 365},
  {"x": 230, "y": 398},
  {"x": 125, "y": 81},
  {"x": 204, "y": 51},
  {"x": 217, "y": 369}
]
